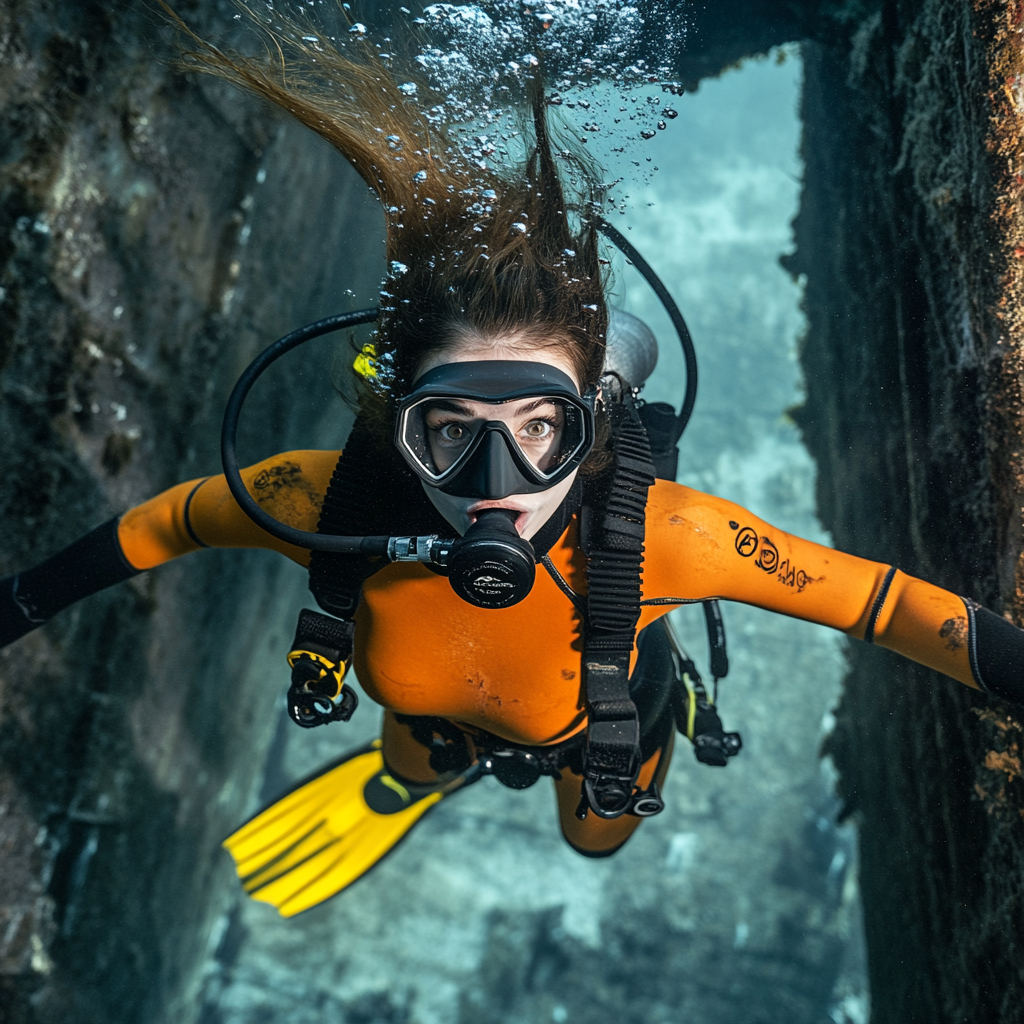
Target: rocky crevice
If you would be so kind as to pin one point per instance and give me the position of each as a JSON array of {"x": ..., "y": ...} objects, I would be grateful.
[
  {"x": 908, "y": 238},
  {"x": 155, "y": 233}
]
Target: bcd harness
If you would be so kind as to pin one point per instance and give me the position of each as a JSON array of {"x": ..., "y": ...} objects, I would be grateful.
[{"x": 371, "y": 490}]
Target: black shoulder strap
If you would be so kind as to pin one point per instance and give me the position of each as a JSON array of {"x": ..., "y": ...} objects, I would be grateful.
[{"x": 613, "y": 538}]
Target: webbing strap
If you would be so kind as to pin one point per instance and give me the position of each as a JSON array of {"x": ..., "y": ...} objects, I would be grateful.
[{"x": 614, "y": 544}]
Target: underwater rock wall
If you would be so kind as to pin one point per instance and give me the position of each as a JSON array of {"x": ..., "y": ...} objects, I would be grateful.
[
  {"x": 909, "y": 236},
  {"x": 155, "y": 233}
]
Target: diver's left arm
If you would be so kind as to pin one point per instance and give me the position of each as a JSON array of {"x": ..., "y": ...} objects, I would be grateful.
[
  {"x": 702, "y": 546},
  {"x": 186, "y": 518}
]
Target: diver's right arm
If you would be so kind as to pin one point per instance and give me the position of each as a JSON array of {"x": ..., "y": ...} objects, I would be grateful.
[{"x": 193, "y": 515}]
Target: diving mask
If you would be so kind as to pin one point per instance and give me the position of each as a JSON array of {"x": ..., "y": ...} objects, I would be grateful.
[{"x": 494, "y": 428}]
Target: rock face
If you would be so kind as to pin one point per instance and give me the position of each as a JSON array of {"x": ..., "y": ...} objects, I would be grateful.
[
  {"x": 156, "y": 233},
  {"x": 909, "y": 237}
]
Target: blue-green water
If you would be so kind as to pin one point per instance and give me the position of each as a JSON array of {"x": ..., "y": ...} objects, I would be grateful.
[{"x": 737, "y": 904}]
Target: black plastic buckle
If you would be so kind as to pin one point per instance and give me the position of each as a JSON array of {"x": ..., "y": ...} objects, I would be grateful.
[
  {"x": 612, "y": 798},
  {"x": 320, "y": 652},
  {"x": 648, "y": 803},
  {"x": 712, "y": 745},
  {"x": 611, "y": 766},
  {"x": 608, "y": 797}
]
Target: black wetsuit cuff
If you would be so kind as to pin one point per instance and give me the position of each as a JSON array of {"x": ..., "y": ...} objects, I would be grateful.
[
  {"x": 996, "y": 650},
  {"x": 92, "y": 563}
]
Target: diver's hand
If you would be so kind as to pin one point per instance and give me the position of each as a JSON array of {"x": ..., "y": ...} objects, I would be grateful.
[{"x": 16, "y": 618}]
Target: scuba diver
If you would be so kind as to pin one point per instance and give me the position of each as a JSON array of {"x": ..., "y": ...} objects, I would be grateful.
[{"x": 497, "y": 546}]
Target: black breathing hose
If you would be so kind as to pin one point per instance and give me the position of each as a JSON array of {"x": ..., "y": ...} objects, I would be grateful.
[
  {"x": 628, "y": 250},
  {"x": 385, "y": 545},
  {"x": 229, "y": 434}
]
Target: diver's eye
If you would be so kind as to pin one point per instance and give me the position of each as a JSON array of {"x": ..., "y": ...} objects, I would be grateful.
[
  {"x": 454, "y": 432},
  {"x": 537, "y": 429}
]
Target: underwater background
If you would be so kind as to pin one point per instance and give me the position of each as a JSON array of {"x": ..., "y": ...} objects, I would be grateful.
[
  {"x": 739, "y": 903},
  {"x": 158, "y": 229}
]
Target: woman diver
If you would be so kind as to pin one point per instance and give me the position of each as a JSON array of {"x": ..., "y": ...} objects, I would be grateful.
[{"x": 487, "y": 409}]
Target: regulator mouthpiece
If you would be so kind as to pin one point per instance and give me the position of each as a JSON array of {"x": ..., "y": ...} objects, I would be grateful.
[{"x": 491, "y": 566}]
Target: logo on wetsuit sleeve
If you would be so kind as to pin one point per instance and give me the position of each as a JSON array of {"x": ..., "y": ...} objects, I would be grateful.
[
  {"x": 748, "y": 544},
  {"x": 746, "y": 541}
]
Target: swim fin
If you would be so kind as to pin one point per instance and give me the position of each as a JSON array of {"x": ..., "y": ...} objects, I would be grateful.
[{"x": 330, "y": 831}]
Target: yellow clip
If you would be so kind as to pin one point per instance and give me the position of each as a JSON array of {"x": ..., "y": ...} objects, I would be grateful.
[
  {"x": 327, "y": 667},
  {"x": 366, "y": 362}
]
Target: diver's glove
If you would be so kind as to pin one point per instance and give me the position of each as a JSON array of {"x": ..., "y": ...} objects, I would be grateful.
[{"x": 92, "y": 563}]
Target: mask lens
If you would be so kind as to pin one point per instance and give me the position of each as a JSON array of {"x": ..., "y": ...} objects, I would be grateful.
[{"x": 440, "y": 432}]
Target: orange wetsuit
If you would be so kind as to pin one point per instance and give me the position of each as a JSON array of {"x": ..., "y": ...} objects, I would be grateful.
[{"x": 515, "y": 672}]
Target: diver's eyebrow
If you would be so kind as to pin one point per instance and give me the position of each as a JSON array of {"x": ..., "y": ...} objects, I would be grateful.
[
  {"x": 534, "y": 405},
  {"x": 449, "y": 405}
]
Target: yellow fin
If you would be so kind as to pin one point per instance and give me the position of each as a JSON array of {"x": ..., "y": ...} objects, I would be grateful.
[{"x": 321, "y": 837}]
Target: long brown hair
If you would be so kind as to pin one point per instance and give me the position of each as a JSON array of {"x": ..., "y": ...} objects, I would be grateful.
[{"x": 472, "y": 250}]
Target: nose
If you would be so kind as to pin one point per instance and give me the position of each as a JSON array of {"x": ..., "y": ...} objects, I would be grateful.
[{"x": 490, "y": 474}]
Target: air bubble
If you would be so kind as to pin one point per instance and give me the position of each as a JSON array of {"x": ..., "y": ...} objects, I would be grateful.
[
  {"x": 420, "y": 176},
  {"x": 408, "y": 88}
]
